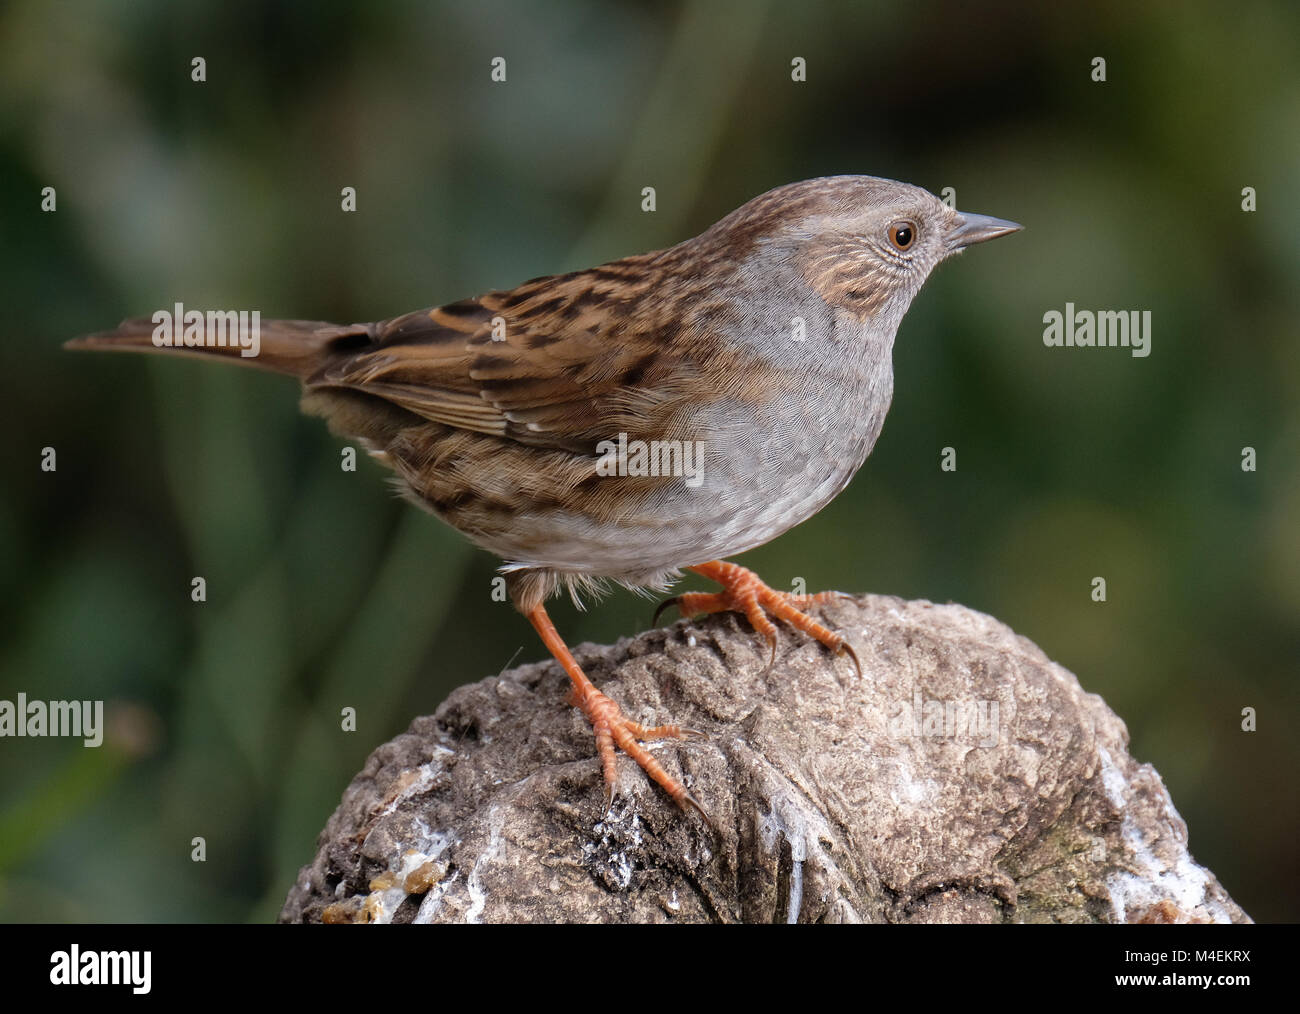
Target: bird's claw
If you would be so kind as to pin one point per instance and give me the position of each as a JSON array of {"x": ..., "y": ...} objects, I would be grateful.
[{"x": 654, "y": 621}]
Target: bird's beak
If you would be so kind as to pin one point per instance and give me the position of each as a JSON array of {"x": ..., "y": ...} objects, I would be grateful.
[{"x": 972, "y": 229}]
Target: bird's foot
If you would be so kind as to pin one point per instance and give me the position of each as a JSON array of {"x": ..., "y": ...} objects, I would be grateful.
[
  {"x": 743, "y": 591},
  {"x": 613, "y": 728}
]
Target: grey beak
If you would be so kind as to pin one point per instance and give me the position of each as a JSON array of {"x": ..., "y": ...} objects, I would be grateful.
[{"x": 979, "y": 229}]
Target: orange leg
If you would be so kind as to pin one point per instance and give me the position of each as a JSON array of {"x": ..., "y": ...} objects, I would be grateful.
[
  {"x": 744, "y": 592},
  {"x": 611, "y": 727}
]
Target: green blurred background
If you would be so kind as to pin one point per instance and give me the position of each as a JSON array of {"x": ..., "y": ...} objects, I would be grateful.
[{"x": 324, "y": 591}]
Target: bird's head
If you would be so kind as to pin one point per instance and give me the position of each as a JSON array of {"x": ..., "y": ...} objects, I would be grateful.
[{"x": 864, "y": 244}]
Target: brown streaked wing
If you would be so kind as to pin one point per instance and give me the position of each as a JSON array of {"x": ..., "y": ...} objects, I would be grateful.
[{"x": 576, "y": 364}]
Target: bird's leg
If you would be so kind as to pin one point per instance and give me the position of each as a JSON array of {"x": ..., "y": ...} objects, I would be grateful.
[
  {"x": 744, "y": 592},
  {"x": 612, "y": 728}
]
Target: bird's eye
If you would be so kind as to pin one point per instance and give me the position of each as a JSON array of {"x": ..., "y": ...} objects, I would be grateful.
[{"x": 902, "y": 234}]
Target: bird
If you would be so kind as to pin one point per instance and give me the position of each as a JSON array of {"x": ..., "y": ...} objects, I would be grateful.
[{"x": 652, "y": 415}]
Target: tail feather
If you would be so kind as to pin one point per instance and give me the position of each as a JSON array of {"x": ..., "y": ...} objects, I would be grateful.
[{"x": 295, "y": 347}]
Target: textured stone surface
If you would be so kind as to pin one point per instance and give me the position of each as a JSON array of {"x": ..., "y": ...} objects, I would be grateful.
[{"x": 963, "y": 778}]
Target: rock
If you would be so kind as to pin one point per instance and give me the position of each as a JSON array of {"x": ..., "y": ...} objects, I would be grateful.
[{"x": 964, "y": 777}]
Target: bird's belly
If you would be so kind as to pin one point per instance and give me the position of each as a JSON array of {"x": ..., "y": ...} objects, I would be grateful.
[{"x": 750, "y": 478}]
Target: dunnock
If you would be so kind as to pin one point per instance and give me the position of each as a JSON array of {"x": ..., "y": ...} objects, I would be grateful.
[{"x": 652, "y": 414}]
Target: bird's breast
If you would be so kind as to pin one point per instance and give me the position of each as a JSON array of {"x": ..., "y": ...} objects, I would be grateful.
[{"x": 776, "y": 465}]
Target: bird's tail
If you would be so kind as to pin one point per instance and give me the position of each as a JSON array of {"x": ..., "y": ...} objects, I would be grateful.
[{"x": 295, "y": 347}]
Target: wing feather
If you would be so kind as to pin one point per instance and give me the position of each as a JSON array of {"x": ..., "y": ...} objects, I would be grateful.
[{"x": 555, "y": 363}]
